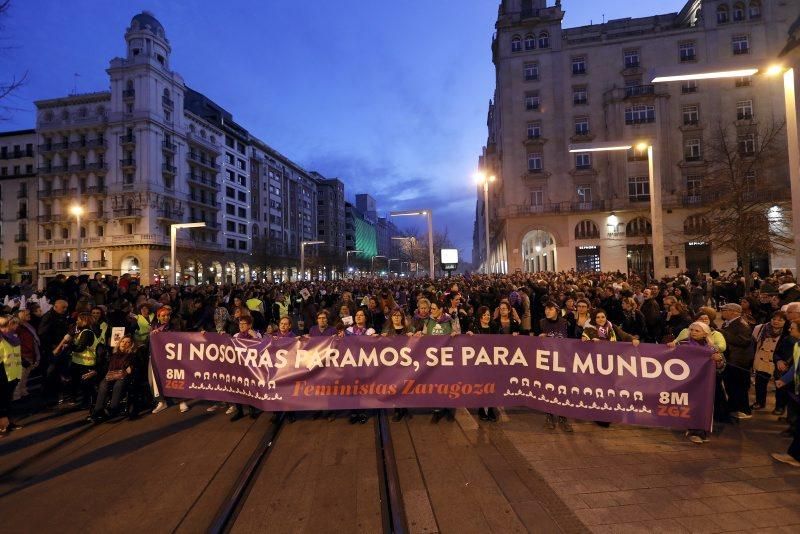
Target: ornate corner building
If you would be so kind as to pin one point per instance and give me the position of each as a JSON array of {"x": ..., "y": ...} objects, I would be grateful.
[{"x": 550, "y": 209}]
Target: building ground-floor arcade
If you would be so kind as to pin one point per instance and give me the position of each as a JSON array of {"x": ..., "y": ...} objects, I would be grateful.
[{"x": 610, "y": 241}]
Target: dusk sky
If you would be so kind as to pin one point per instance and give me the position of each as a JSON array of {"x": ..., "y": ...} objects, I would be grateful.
[{"x": 390, "y": 97}]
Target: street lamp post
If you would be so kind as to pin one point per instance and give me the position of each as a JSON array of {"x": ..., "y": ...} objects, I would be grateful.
[
  {"x": 483, "y": 178},
  {"x": 792, "y": 134},
  {"x": 373, "y": 262},
  {"x": 347, "y": 258},
  {"x": 173, "y": 238},
  {"x": 412, "y": 242},
  {"x": 429, "y": 216},
  {"x": 77, "y": 211},
  {"x": 303, "y": 256},
  {"x": 654, "y": 180}
]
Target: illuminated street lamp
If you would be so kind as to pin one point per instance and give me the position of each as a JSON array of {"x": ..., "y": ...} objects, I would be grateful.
[
  {"x": 303, "y": 256},
  {"x": 347, "y": 257},
  {"x": 173, "y": 238},
  {"x": 483, "y": 178},
  {"x": 429, "y": 215},
  {"x": 77, "y": 211},
  {"x": 654, "y": 180},
  {"x": 673, "y": 75}
]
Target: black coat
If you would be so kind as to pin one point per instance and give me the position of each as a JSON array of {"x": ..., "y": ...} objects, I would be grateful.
[{"x": 738, "y": 336}]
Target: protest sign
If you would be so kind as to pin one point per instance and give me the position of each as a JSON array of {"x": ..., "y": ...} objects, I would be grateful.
[{"x": 650, "y": 385}]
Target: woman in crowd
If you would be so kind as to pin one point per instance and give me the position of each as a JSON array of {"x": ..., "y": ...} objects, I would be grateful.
[
  {"x": 245, "y": 332},
  {"x": 84, "y": 360},
  {"x": 766, "y": 336},
  {"x": 581, "y": 316},
  {"x": 633, "y": 320},
  {"x": 29, "y": 350},
  {"x": 397, "y": 325},
  {"x": 677, "y": 318},
  {"x": 120, "y": 367},
  {"x": 700, "y": 334},
  {"x": 601, "y": 329},
  {"x": 10, "y": 371},
  {"x": 554, "y": 326},
  {"x": 506, "y": 320},
  {"x": 361, "y": 327}
]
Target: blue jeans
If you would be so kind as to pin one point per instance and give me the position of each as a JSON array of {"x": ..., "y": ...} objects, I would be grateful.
[{"x": 118, "y": 389}]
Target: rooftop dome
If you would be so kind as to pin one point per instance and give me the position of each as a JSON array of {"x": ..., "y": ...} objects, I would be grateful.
[{"x": 146, "y": 20}]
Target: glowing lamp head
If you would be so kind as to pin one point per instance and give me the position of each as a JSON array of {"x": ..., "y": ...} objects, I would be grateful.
[
  {"x": 774, "y": 70},
  {"x": 642, "y": 146},
  {"x": 76, "y": 210}
]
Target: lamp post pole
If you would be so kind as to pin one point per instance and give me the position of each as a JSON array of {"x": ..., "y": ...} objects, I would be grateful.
[
  {"x": 429, "y": 216},
  {"x": 483, "y": 178},
  {"x": 77, "y": 211},
  {"x": 794, "y": 159},
  {"x": 173, "y": 238},
  {"x": 347, "y": 258},
  {"x": 303, "y": 256}
]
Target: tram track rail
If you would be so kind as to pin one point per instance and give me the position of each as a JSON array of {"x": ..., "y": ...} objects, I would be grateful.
[{"x": 393, "y": 517}]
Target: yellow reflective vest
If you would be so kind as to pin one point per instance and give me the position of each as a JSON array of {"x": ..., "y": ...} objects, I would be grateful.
[
  {"x": 88, "y": 356},
  {"x": 11, "y": 357},
  {"x": 144, "y": 327},
  {"x": 255, "y": 304}
]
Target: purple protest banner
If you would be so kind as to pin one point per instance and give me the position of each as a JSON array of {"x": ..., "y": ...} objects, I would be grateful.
[{"x": 650, "y": 385}]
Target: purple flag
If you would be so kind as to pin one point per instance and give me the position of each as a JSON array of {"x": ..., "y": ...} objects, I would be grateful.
[{"x": 650, "y": 385}]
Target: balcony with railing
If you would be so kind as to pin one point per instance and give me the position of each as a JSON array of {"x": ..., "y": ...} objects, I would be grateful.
[
  {"x": 63, "y": 265},
  {"x": 96, "y": 190},
  {"x": 19, "y": 238},
  {"x": 46, "y": 266},
  {"x": 202, "y": 141},
  {"x": 167, "y": 102},
  {"x": 127, "y": 213},
  {"x": 168, "y": 146},
  {"x": 633, "y": 91},
  {"x": 128, "y": 93},
  {"x": 52, "y": 147},
  {"x": 22, "y": 193},
  {"x": 203, "y": 181},
  {"x": 99, "y": 263},
  {"x": 97, "y": 216},
  {"x": 127, "y": 139},
  {"x": 52, "y": 169},
  {"x": 200, "y": 160},
  {"x": 51, "y": 218},
  {"x": 168, "y": 169},
  {"x": 170, "y": 214},
  {"x": 87, "y": 144},
  {"x": 127, "y": 163},
  {"x": 205, "y": 201},
  {"x": 519, "y": 210}
]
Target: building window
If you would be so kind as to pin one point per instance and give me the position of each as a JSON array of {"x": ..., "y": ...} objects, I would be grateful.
[
  {"x": 695, "y": 224},
  {"x": 230, "y": 226},
  {"x": 230, "y": 243},
  {"x": 537, "y": 197},
  {"x": 687, "y": 51},
  {"x": 230, "y": 193},
  {"x": 691, "y": 115},
  {"x": 631, "y": 59},
  {"x": 530, "y": 42},
  {"x": 584, "y": 194},
  {"x": 638, "y": 227},
  {"x": 640, "y": 114},
  {"x": 582, "y": 126},
  {"x": 531, "y": 102},
  {"x": 639, "y": 189},
  {"x": 722, "y": 14},
  {"x": 243, "y": 213},
  {"x": 241, "y": 196},
  {"x": 747, "y": 144},
  {"x": 688, "y": 87},
  {"x": 744, "y": 81},
  {"x": 535, "y": 162},
  {"x": 531, "y": 71},
  {"x": 583, "y": 161},
  {"x": 741, "y": 45},
  {"x": 580, "y": 96},
  {"x": 231, "y": 175},
  {"x": 755, "y": 9},
  {"x": 516, "y": 44},
  {"x": 578, "y": 65},
  {"x": 242, "y": 245},
  {"x": 744, "y": 110},
  {"x": 738, "y": 12},
  {"x": 691, "y": 150},
  {"x": 586, "y": 230},
  {"x": 534, "y": 130},
  {"x": 230, "y": 209},
  {"x": 694, "y": 188},
  {"x": 544, "y": 40}
]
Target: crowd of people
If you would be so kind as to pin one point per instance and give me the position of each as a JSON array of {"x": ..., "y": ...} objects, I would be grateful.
[{"x": 750, "y": 326}]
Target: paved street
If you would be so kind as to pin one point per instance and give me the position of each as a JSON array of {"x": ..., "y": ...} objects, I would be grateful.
[{"x": 171, "y": 472}]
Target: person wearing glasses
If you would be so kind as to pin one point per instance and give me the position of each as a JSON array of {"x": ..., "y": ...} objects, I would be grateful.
[{"x": 397, "y": 325}]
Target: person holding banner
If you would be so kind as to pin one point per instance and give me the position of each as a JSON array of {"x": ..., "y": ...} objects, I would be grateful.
[
  {"x": 360, "y": 328},
  {"x": 700, "y": 334},
  {"x": 555, "y": 326},
  {"x": 163, "y": 324},
  {"x": 245, "y": 332},
  {"x": 397, "y": 325},
  {"x": 438, "y": 324}
]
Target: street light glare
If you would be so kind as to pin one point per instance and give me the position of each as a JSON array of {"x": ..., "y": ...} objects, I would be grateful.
[
  {"x": 590, "y": 148},
  {"x": 774, "y": 70},
  {"x": 706, "y": 75},
  {"x": 642, "y": 146},
  {"x": 76, "y": 210}
]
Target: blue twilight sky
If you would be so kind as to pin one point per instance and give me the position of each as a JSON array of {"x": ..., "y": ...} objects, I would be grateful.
[{"x": 389, "y": 96}]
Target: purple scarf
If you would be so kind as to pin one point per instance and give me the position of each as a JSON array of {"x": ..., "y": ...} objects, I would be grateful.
[{"x": 604, "y": 332}]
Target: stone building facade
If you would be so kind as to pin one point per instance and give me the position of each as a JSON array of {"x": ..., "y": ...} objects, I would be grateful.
[{"x": 554, "y": 210}]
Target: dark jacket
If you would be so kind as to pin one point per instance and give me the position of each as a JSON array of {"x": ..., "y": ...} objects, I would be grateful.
[
  {"x": 52, "y": 330},
  {"x": 738, "y": 337}
]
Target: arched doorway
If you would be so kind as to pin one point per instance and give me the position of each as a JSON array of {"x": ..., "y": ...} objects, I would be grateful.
[
  {"x": 244, "y": 273},
  {"x": 230, "y": 272},
  {"x": 539, "y": 252},
  {"x": 130, "y": 265},
  {"x": 215, "y": 272}
]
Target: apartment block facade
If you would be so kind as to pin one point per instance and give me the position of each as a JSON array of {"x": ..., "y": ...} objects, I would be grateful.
[{"x": 554, "y": 210}]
